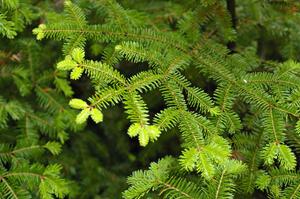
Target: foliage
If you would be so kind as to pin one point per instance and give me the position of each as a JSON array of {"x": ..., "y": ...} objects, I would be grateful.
[
  {"x": 34, "y": 113},
  {"x": 223, "y": 80}
]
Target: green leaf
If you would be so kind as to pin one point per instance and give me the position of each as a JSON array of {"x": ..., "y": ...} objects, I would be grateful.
[
  {"x": 143, "y": 137},
  {"x": 96, "y": 115},
  {"x": 269, "y": 153},
  {"x": 39, "y": 31},
  {"x": 53, "y": 147},
  {"x": 118, "y": 47},
  {"x": 199, "y": 99},
  {"x": 188, "y": 159},
  {"x": 218, "y": 149},
  {"x": 7, "y": 27},
  {"x": 276, "y": 191},
  {"x": 68, "y": 2},
  {"x": 76, "y": 73},
  {"x": 205, "y": 166},
  {"x": 263, "y": 181},
  {"x": 286, "y": 157},
  {"x": 62, "y": 136},
  {"x": 235, "y": 166},
  {"x": 78, "y": 55},
  {"x": 83, "y": 115},
  {"x": 153, "y": 132},
  {"x": 15, "y": 109},
  {"x": 134, "y": 129},
  {"x": 64, "y": 86},
  {"x": 51, "y": 183},
  {"x": 215, "y": 111},
  {"x": 66, "y": 64},
  {"x": 78, "y": 103}
]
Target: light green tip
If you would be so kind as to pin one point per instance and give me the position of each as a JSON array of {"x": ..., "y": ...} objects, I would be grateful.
[
  {"x": 39, "y": 31},
  {"x": 78, "y": 55},
  {"x": 68, "y": 2},
  {"x": 78, "y": 103},
  {"x": 96, "y": 115},
  {"x": 118, "y": 47},
  {"x": 83, "y": 116}
]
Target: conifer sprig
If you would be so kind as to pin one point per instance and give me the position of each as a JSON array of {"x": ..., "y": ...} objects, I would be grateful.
[{"x": 236, "y": 113}]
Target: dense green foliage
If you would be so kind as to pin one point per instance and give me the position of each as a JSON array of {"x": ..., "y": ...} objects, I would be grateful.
[{"x": 150, "y": 99}]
